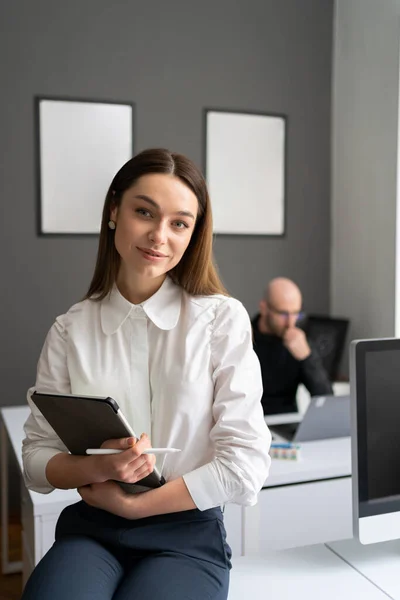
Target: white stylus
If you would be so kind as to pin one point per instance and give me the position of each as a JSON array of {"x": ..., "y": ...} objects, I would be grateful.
[{"x": 116, "y": 451}]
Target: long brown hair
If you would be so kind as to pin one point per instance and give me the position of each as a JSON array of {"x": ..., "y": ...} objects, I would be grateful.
[{"x": 196, "y": 272}]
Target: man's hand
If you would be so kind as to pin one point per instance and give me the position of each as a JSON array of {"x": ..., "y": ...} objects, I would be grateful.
[
  {"x": 296, "y": 342},
  {"x": 128, "y": 466}
]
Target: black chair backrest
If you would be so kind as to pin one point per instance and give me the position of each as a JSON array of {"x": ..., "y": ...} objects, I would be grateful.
[{"x": 328, "y": 336}]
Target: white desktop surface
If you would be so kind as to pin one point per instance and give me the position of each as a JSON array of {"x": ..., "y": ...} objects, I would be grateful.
[
  {"x": 309, "y": 573},
  {"x": 42, "y": 503},
  {"x": 324, "y": 459},
  {"x": 380, "y": 563}
]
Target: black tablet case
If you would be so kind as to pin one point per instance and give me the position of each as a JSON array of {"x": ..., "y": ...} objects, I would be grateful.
[{"x": 83, "y": 422}]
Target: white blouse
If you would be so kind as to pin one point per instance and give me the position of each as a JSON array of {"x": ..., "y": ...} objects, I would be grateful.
[{"x": 182, "y": 369}]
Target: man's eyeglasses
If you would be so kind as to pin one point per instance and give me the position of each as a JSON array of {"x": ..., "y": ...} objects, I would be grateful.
[{"x": 285, "y": 314}]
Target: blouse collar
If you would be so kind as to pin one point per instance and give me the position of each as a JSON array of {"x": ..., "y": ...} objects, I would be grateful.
[{"x": 163, "y": 308}]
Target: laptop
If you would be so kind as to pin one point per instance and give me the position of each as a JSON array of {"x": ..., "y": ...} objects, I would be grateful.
[{"x": 326, "y": 417}]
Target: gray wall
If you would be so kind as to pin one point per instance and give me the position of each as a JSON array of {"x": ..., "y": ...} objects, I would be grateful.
[
  {"x": 172, "y": 59},
  {"x": 365, "y": 107}
]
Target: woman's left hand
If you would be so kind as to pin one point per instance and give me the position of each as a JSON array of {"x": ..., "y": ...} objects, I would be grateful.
[{"x": 107, "y": 495}]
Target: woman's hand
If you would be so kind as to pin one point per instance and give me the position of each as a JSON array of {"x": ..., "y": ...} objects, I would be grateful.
[
  {"x": 128, "y": 466},
  {"x": 108, "y": 496}
]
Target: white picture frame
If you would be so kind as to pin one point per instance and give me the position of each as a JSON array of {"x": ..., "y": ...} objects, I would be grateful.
[
  {"x": 245, "y": 169},
  {"x": 81, "y": 144}
]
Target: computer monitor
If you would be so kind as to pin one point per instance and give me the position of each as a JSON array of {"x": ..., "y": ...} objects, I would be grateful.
[{"x": 375, "y": 438}]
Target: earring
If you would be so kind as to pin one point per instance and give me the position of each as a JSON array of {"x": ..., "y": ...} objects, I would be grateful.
[{"x": 111, "y": 224}]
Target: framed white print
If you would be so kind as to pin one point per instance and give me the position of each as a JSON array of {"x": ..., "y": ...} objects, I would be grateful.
[
  {"x": 245, "y": 168},
  {"x": 81, "y": 144}
]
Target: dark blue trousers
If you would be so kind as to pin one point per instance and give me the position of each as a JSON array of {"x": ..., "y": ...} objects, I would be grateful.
[{"x": 99, "y": 556}]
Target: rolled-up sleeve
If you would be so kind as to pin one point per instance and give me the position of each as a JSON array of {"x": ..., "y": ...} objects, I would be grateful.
[
  {"x": 41, "y": 442},
  {"x": 240, "y": 436}
]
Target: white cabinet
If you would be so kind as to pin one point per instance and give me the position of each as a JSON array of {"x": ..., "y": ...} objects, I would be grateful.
[
  {"x": 37, "y": 531},
  {"x": 299, "y": 515},
  {"x": 233, "y": 526},
  {"x": 27, "y": 521},
  {"x": 48, "y": 527},
  {"x": 291, "y": 515}
]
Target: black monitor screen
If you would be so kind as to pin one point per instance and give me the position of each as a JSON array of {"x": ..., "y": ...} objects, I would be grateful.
[{"x": 382, "y": 392}]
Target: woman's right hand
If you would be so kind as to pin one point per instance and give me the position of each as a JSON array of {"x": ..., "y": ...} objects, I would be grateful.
[{"x": 128, "y": 466}]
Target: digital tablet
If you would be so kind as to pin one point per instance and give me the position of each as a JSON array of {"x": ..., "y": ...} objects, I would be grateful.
[{"x": 83, "y": 422}]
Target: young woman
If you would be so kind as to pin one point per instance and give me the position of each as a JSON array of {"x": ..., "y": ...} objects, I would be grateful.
[{"x": 158, "y": 333}]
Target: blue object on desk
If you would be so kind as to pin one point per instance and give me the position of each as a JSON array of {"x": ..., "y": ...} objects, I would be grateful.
[
  {"x": 285, "y": 451},
  {"x": 284, "y": 445}
]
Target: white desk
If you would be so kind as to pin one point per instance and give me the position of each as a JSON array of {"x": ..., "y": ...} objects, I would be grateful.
[
  {"x": 311, "y": 573},
  {"x": 303, "y": 502},
  {"x": 378, "y": 562},
  {"x": 324, "y": 459}
]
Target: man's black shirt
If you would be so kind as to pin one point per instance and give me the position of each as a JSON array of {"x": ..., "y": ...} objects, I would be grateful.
[{"x": 282, "y": 373}]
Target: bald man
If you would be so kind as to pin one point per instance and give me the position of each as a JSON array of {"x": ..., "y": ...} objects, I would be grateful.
[{"x": 285, "y": 355}]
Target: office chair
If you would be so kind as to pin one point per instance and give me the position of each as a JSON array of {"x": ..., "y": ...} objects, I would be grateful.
[{"x": 328, "y": 336}]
